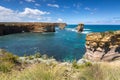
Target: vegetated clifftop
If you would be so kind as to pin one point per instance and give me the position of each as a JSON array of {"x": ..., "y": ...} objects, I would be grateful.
[
  {"x": 103, "y": 46},
  {"x": 18, "y": 27}
]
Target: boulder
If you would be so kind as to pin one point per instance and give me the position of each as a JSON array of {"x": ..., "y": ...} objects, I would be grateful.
[{"x": 103, "y": 46}]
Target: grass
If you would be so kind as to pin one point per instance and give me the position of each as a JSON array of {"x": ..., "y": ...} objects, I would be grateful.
[
  {"x": 97, "y": 71},
  {"x": 101, "y": 71},
  {"x": 58, "y": 71},
  {"x": 36, "y": 72},
  {"x": 7, "y": 61}
]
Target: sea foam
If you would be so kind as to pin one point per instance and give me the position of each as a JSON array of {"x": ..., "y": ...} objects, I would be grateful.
[{"x": 85, "y": 31}]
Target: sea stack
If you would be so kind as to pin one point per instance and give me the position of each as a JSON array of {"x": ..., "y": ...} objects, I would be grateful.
[
  {"x": 80, "y": 27},
  {"x": 103, "y": 46}
]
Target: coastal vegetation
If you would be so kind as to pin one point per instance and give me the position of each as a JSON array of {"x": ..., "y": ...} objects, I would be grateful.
[{"x": 40, "y": 67}]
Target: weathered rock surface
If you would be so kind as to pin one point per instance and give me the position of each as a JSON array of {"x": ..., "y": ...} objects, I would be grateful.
[
  {"x": 18, "y": 27},
  {"x": 80, "y": 27},
  {"x": 103, "y": 46},
  {"x": 61, "y": 26}
]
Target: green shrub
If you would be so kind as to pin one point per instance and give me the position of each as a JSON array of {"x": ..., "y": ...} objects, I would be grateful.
[
  {"x": 9, "y": 57},
  {"x": 37, "y": 55},
  {"x": 87, "y": 64},
  {"x": 44, "y": 56},
  {"x": 83, "y": 65},
  {"x": 74, "y": 64},
  {"x": 25, "y": 55},
  {"x": 102, "y": 34},
  {"x": 30, "y": 57},
  {"x": 111, "y": 32},
  {"x": 7, "y": 61},
  {"x": 6, "y": 66}
]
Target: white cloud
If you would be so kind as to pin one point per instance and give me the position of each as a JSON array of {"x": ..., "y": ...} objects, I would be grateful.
[
  {"x": 59, "y": 20},
  {"x": 92, "y": 11},
  {"x": 87, "y": 8},
  {"x": 30, "y": 0},
  {"x": 116, "y": 18},
  {"x": 36, "y": 4},
  {"x": 9, "y": 15},
  {"x": 77, "y": 5},
  {"x": 33, "y": 13},
  {"x": 21, "y": 2},
  {"x": 29, "y": 11},
  {"x": 53, "y": 5}
]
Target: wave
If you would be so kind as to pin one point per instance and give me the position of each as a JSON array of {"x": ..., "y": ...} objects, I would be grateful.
[
  {"x": 86, "y": 32},
  {"x": 56, "y": 28},
  {"x": 71, "y": 29},
  {"x": 86, "y": 29}
]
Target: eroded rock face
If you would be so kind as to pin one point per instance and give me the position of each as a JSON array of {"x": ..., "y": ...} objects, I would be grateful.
[
  {"x": 80, "y": 27},
  {"x": 103, "y": 46},
  {"x": 18, "y": 27},
  {"x": 62, "y": 26}
]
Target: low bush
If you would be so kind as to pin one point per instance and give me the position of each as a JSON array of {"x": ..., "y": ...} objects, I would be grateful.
[
  {"x": 7, "y": 61},
  {"x": 37, "y": 55},
  {"x": 77, "y": 66},
  {"x": 6, "y": 66}
]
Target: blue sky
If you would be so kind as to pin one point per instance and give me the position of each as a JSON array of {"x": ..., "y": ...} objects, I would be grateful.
[{"x": 69, "y": 11}]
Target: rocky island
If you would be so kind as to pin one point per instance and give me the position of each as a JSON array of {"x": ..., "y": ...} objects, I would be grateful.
[
  {"x": 19, "y": 27},
  {"x": 80, "y": 27}
]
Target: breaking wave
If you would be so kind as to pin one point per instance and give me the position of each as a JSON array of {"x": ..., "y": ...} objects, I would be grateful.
[{"x": 85, "y": 31}]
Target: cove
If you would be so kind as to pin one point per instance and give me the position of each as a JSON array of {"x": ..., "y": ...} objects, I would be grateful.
[{"x": 63, "y": 45}]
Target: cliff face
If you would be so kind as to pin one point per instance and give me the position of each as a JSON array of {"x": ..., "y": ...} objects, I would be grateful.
[
  {"x": 18, "y": 27},
  {"x": 61, "y": 26},
  {"x": 103, "y": 46}
]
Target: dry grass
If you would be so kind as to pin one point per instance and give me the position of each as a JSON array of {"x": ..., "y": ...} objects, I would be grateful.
[
  {"x": 40, "y": 71},
  {"x": 37, "y": 72},
  {"x": 102, "y": 71}
]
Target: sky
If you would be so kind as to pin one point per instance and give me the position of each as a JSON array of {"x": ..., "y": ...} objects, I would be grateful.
[{"x": 68, "y": 11}]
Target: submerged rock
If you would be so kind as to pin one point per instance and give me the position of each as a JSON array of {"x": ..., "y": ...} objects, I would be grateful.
[
  {"x": 80, "y": 27},
  {"x": 103, "y": 46}
]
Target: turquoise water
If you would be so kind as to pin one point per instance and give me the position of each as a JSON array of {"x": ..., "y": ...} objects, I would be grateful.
[{"x": 63, "y": 44}]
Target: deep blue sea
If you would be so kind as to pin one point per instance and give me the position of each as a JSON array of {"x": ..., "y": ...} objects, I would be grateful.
[{"x": 63, "y": 45}]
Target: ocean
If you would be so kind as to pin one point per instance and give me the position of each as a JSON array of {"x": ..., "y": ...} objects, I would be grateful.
[{"x": 63, "y": 45}]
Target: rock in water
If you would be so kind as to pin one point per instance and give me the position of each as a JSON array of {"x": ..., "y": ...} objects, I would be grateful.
[
  {"x": 80, "y": 27},
  {"x": 103, "y": 46}
]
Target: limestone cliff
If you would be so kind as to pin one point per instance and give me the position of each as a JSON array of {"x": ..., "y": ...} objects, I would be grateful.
[
  {"x": 103, "y": 46},
  {"x": 18, "y": 27}
]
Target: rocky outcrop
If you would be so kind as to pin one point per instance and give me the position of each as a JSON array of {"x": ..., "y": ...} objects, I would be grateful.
[
  {"x": 61, "y": 26},
  {"x": 103, "y": 46},
  {"x": 18, "y": 27},
  {"x": 80, "y": 27}
]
